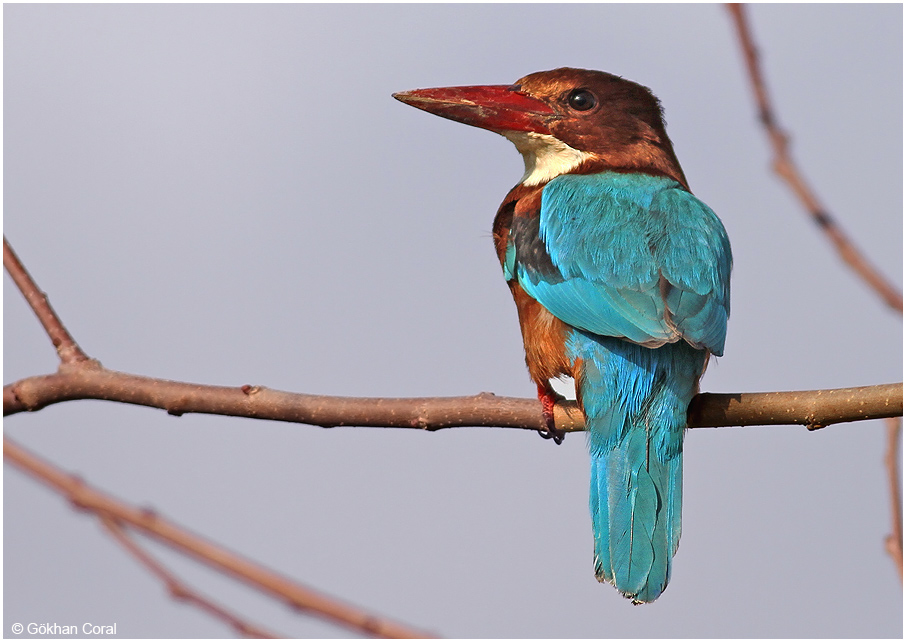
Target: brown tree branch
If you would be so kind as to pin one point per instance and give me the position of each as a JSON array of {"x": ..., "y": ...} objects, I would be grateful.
[
  {"x": 179, "y": 590},
  {"x": 813, "y": 409},
  {"x": 80, "y": 377},
  {"x": 224, "y": 561},
  {"x": 66, "y": 346},
  {"x": 786, "y": 168},
  {"x": 89, "y": 380}
]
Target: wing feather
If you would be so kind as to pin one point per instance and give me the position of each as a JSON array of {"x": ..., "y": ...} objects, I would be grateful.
[{"x": 627, "y": 255}]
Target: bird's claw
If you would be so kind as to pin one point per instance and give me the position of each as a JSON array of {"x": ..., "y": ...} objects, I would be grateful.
[
  {"x": 552, "y": 434},
  {"x": 549, "y": 398}
]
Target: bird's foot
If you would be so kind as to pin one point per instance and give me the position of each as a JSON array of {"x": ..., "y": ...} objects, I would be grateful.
[{"x": 549, "y": 398}]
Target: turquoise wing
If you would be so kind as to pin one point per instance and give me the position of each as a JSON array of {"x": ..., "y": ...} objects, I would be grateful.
[{"x": 626, "y": 255}]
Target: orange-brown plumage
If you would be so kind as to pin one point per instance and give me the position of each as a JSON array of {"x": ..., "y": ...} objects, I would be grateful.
[
  {"x": 543, "y": 333},
  {"x": 544, "y": 336}
]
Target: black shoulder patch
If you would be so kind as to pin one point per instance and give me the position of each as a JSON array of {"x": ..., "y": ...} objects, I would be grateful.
[{"x": 531, "y": 253}]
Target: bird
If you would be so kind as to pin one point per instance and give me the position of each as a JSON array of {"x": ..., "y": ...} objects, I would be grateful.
[{"x": 621, "y": 280}]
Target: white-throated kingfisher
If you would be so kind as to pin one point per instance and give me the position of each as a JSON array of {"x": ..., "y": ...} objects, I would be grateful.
[{"x": 621, "y": 279}]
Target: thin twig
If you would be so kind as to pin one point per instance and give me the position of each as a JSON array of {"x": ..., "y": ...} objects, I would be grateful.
[
  {"x": 786, "y": 168},
  {"x": 66, "y": 346},
  {"x": 894, "y": 544},
  {"x": 179, "y": 590},
  {"x": 178, "y": 538}
]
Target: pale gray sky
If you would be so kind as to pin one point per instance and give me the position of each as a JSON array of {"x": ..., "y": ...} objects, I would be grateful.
[{"x": 228, "y": 194}]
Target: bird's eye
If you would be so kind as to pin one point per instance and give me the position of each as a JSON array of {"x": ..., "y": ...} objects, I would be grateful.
[{"x": 582, "y": 100}]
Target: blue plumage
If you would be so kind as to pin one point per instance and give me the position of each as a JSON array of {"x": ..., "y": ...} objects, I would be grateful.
[
  {"x": 635, "y": 400},
  {"x": 636, "y": 256},
  {"x": 639, "y": 268},
  {"x": 621, "y": 280}
]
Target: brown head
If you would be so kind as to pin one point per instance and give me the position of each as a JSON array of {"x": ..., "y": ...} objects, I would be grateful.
[{"x": 565, "y": 120}]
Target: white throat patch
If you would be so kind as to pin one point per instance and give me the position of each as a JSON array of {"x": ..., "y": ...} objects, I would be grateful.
[{"x": 544, "y": 155}]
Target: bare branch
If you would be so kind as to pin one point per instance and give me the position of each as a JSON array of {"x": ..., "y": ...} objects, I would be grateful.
[
  {"x": 89, "y": 380},
  {"x": 66, "y": 346},
  {"x": 786, "y": 168},
  {"x": 174, "y": 536},
  {"x": 813, "y": 409},
  {"x": 176, "y": 587},
  {"x": 81, "y": 378}
]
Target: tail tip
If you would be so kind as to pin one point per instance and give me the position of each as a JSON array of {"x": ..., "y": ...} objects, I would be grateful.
[{"x": 641, "y": 596}]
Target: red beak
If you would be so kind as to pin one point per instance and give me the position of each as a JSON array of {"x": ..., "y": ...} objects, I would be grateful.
[{"x": 492, "y": 107}]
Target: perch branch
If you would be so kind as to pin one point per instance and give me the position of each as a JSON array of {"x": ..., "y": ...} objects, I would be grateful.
[
  {"x": 80, "y": 377},
  {"x": 89, "y": 380},
  {"x": 174, "y": 536}
]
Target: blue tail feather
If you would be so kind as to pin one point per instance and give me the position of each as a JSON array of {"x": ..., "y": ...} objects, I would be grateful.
[{"x": 635, "y": 400}]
